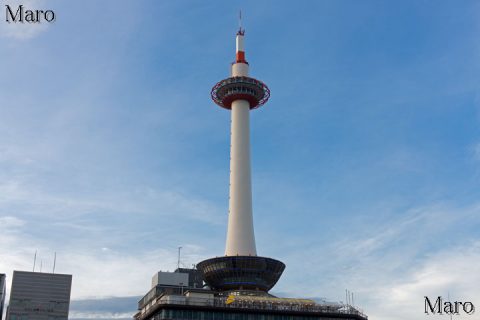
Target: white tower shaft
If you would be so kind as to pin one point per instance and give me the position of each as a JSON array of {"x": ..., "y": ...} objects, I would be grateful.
[{"x": 240, "y": 233}]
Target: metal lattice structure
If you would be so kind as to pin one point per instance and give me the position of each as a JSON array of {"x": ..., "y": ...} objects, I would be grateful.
[{"x": 240, "y": 88}]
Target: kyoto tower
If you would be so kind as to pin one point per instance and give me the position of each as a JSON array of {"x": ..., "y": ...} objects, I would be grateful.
[{"x": 240, "y": 270}]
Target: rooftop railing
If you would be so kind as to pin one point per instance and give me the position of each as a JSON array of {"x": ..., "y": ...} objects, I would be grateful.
[{"x": 267, "y": 304}]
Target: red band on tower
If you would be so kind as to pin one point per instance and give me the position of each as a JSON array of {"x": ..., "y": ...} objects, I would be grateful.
[{"x": 241, "y": 57}]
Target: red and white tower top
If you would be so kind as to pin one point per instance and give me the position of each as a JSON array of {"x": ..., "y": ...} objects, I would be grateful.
[
  {"x": 240, "y": 86},
  {"x": 240, "y": 47}
]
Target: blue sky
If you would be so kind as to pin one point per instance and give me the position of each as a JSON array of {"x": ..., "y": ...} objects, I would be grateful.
[{"x": 366, "y": 159}]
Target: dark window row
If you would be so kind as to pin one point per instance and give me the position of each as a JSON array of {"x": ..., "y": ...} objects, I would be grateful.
[{"x": 211, "y": 315}]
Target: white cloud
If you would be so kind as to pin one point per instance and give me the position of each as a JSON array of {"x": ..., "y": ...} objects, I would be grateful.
[
  {"x": 9, "y": 222},
  {"x": 393, "y": 264},
  {"x": 453, "y": 271},
  {"x": 135, "y": 200},
  {"x": 95, "y": 252},
  {"x": 96, "y": 272}
]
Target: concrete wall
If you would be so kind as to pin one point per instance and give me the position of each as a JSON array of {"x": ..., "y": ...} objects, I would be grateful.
[{"x": 170, "y": 278}]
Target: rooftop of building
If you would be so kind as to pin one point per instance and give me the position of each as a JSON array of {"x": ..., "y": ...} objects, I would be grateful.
[{"x": 249, "y": 304}]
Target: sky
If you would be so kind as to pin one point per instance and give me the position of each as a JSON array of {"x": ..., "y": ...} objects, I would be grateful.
[{"x": 365, "y": 160}]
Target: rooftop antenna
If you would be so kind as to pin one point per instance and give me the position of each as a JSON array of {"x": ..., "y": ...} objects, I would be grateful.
[
  {"x": 348, "y": 295},
  {"x": 54, "y": 261},
  {"x": 41, "y": 264},
  {"x": 178, "y": 261},
  {"x": 34, "y": 260}
]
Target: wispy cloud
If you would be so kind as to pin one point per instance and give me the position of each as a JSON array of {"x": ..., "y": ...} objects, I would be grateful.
[
  {"x": 9, "y": 222},
  {"x": 96, "y": 272},
  {"x": 142, "y": 200},
  {"x": 395, "y": 263},
  {"x": 449, "y": 272},
  {"x": 90, "y": 234}
]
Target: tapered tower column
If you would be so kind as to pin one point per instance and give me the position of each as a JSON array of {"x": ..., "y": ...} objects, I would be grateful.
[{"x": 240, "y": 234}]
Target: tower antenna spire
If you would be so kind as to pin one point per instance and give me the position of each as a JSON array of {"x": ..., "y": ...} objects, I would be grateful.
[
  {"x": 240, "y": 19},
  {"x": 240, "y": 30}
]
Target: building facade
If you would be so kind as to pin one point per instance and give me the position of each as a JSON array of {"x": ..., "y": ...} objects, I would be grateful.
[
  {"x": 39, "y": 296},
  {"x": 195, "y": 305}
]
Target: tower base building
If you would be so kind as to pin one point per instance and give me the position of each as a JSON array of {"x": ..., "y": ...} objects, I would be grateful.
[{"x": 170, "y": 302}]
